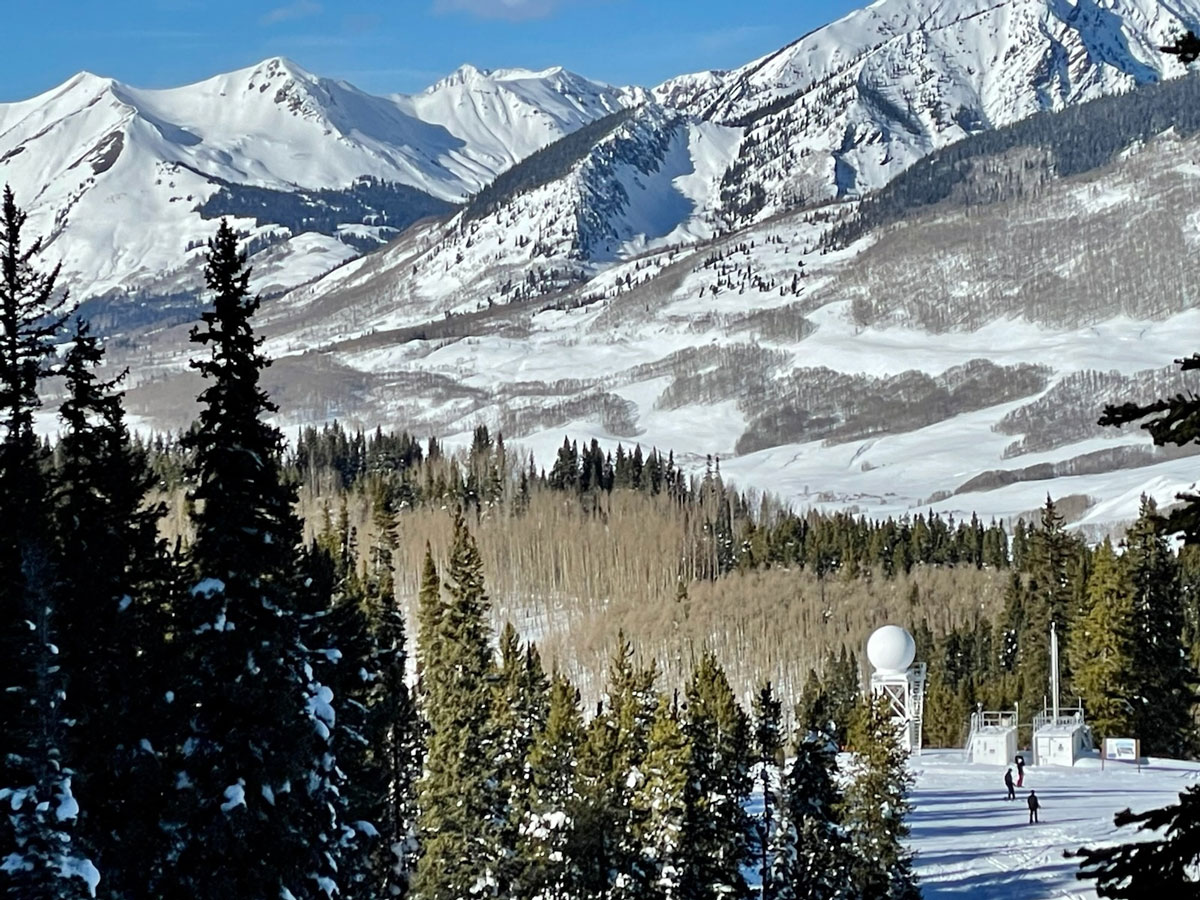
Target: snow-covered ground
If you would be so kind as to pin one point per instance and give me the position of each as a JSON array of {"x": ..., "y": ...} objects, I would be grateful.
[{"x": 970, "y": 841}]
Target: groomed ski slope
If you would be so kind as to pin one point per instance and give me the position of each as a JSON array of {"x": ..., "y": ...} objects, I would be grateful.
[{"x": 971, "y": 842}]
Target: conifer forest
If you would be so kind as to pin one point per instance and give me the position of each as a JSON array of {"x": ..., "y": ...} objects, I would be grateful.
[{"x": 240, "y": 667}]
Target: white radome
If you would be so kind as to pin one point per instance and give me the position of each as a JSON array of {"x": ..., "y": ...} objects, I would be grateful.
[{"x": 891, "y": 649}]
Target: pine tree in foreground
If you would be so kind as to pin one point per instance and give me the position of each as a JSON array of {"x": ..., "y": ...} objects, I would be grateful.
[
  {"x": 457, "y": 795},
  {"x": 611, "y": 763},
  {"x": 519, "y": 707},
  {"x": 547, "y": 842},
  {"x": 810, "y": 855},
  {"x": 114, "y": 581},
  {"x": 253, "y": 814},
  {"x": 41, "y": 858},
  {"x": 661, "y": 869},
  {"x": 767, "y": 756},
  {"x": 874, "y": 808},
  {"x": 1166, "y": 681},
  {"x": 718, "y": 828},
  {"x": 1165, "y": 866}
]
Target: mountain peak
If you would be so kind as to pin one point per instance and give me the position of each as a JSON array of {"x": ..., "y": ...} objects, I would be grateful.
[
  {"x": 86, "y": 82},
  {"x": 276, "y": 68}
]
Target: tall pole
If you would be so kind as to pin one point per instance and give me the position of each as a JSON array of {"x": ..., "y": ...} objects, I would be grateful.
[{"x": 1054, "y": 672}]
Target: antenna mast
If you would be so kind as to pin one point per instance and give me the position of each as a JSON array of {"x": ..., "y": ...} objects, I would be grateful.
[{"x": 1053, "y": 672}]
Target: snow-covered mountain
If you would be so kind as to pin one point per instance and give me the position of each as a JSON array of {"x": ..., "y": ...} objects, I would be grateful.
[
  {"x": 836, "y": 113},
  {"x": 844, "y": 109},
  {"x": 125, "y": 180},
  {"x": 694, "y": 267},
  {"x": 943, "y": 349}
]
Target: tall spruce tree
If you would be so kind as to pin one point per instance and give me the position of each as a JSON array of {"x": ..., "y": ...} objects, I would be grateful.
[
  {"x": 375, "y": 734},
  {"x": 719, "y": 784},
  {"x": 874, "y": 808},
  {"x": 1047, "y": 600},
  {"x": 1101, "y": 646},
  {"x": 548, "y": 838},
  {"x": 40, "y": 859},
  {"x": 664, "y": 869},
  {"x": 519, "y": 708},
  {"x": 114, "y": 583},
  {"x": 1165, "y": 679},
  {"x": 611, "y": 761},
  {"x": 253, "y": 810},
  {"x": 810, "y": 855},
  {"x": 457, "y": 795},
  {"x": 767, "y": 758}
]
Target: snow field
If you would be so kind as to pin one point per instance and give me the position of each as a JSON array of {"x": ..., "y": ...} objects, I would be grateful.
[{"x": 972, "y": 842}]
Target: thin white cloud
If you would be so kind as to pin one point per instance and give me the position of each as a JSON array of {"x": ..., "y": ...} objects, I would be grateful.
[
  {"x": 513, "y": 10},
  {"x": 301, "y": 9}
]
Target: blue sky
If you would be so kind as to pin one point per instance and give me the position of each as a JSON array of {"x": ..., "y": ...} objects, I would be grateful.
[{"x": 400, "y": 45}]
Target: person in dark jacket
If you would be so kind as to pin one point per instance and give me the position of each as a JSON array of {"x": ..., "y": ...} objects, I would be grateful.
[
  {"x": 1034, "y": 806},
  {"x": 1020, "y": 761},
  {"x": 1008, "y": 783}
]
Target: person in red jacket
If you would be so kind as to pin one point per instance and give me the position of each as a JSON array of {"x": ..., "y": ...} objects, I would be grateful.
[{"x": 1020, "y": 761}]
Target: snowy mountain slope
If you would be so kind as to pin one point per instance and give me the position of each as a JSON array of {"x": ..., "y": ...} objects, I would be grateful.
[
  {"x": 844, "y": 109},
  {"x": 836, "y": 113},
  {"x": 504, "y": 115},
  {"x": 956, "y": 359},
  {"x": 644, "y": 183},
  {"x": 92, "y": 147}
]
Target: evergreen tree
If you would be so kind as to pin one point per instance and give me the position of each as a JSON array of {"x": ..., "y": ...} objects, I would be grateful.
[
  {"x": 843, "y": 687},
  {"x": 810, "y": 856},
  {"x": 519, "y": 709},
  {"x": 767, "y": 757},
  {"x": 1163, "y": 866},
  {"x": 430, "y": 607},
  {"x": 611, "y": 761},
  {"x": 1047, "y": 600},
  {"x": 114, "y": 581},
  {"x": 253, "y": 812},
  {"x": 1101, "y": 646},
  {"x": 1166, "y": 680},
  {"x": 875, "y": 806},
  {"x": 376, "y": 729},
  {"x": 812, "y": 712},
  {"x": 719, "y": 783},
  {"x": 664, "y": 870},
  {"x": 549, "y": 842},
  {"x": 41, "y": 860},
  {"x": 457, "y": 795}
]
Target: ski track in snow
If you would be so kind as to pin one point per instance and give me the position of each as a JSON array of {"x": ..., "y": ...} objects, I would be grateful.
[{"x": 971, "y": 842}]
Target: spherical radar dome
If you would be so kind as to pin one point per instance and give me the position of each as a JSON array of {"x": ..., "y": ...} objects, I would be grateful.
[{"x": 891, "y": 649}]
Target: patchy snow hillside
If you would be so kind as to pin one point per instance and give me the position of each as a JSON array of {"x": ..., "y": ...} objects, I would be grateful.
[
  {"x": 955, "y": 359},
  {"x": 126, "y": 181},
  {"x": 970, "y": 841},
  {"x": 844, "y": 109}
]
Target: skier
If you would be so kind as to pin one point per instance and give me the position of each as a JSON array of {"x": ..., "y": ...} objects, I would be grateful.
[
  {"x": 1020, "y": 761},
  {"x": 1008, "y": 783},
  {"x": 1034, "y": 806}
]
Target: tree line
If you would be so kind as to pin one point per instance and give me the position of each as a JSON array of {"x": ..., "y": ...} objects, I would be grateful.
[{"x": 230, "y": 714}]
